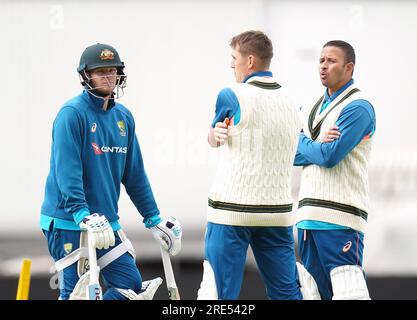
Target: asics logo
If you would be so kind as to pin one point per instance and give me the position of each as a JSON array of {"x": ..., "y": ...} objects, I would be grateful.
[{"x": 347, "y": 246}]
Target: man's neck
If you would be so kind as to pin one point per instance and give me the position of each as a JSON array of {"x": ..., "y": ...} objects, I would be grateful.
[
  {"x": 262, "y": 73},
  {"x": 331, "y": 91}
]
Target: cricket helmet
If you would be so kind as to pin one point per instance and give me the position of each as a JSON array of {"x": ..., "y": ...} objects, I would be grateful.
[{"x": 101, "y": 56}]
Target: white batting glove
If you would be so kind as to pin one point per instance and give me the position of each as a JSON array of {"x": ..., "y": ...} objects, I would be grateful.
[
  {"x": 168, "y": 232},
  {"x": 99, "y": 230},
  {"x": 220, "y": 132}
]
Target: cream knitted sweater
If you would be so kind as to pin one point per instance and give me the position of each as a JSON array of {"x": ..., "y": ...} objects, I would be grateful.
[
  {"x": 340, "y": 194},
  {"x": 252, "y": 186}
]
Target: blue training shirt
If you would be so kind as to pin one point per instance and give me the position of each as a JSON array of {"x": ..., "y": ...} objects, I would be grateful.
[
  {"x": 356, "y": 121},
  {"x": 94, "y": 151},
  {"x": 227, "y": 104}
]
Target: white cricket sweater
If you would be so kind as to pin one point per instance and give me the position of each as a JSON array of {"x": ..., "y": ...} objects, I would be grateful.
[
  {"x": 252, "y": 186},
  {"x": 340, "y": 194}
]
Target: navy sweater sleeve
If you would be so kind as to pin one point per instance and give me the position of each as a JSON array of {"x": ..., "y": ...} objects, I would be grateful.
[
  {"x": 67, "y": 141},
  {"x": 227, "y": 106},
  {"x": 356, "y": 121},
  {"x": 136, "y": 181}
]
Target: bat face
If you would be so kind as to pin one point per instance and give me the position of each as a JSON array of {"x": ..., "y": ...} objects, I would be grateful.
[
  {"x": 173, "y": 294},
  {"x": 94, "y": 292}
]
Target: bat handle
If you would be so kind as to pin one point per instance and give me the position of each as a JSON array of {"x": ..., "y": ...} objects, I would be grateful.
[
  {"x": 92, "y": 260},
  {"x": 166, "y": 260},
  {"x": 169, "y": 276}
]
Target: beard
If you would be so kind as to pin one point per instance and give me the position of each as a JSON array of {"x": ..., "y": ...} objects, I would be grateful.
[{"x": 103, "y": 91}]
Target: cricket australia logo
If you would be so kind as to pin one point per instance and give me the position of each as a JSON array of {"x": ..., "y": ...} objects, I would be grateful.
[
  {"x": 106, "y": 54},
  {"x": 122, "y": 128},
  {"x": 67, "y": 248}
]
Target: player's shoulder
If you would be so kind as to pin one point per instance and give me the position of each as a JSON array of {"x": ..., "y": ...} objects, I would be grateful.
[
  {"x": 225, "y": 91},
  {"x": 363, "y": 99},
  {"x": 360, "y": 105},
  {"x": 76, "y": 101},
  {"x": 72, "y": 107},
  {"x": 237, "y": 91},
  {"x": 227, "y": 94},
  {"x": 235, "y": 88},
  {"x": 123, "y": 113},
  {"x": 120, "y": 108},
  {"x": 284, "y": 96},
  {"x": 70, "y": 116},
  {"x": 284, "y": 93}
]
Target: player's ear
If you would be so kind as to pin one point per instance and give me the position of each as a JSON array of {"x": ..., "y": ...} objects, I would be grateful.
[
  {"x": 349, "y": 67},
  {"x": 251, "y": 61}
]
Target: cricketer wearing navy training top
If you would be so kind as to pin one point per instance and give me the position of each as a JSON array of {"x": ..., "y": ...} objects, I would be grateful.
[
  {"x": 334, "y": 149},
  {"x": 94, "y": 151}
]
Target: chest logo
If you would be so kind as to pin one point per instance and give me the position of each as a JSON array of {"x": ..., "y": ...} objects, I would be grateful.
[
  {"x": 122, "y": 128},
  {"x": 96, "y": 148},
  {"x": 94, "y": 127}
]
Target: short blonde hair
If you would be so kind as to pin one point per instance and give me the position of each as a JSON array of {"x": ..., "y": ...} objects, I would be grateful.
[{"x": 256, "y": 43}]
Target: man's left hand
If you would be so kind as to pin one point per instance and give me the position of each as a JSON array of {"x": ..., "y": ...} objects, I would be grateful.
[{"x": 168, "y": 232}]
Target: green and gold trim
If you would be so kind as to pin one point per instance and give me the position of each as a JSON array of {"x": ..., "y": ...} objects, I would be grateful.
[
  {"x": 250, "y": 208},
  {"x": 333, "y": 205},
  {"x": 315, "y": 132},
  {"x": 265, "y": 85}
]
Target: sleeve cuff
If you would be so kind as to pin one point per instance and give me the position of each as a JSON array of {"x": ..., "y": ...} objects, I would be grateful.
[
  {"x": 152, "y": 221},
  {"x": 80, "y": 215}
]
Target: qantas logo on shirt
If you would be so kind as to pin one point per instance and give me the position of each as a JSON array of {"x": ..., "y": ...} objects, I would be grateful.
[
  {"x": 96, "y": 148},
  {"x": 100, "y": 150}
]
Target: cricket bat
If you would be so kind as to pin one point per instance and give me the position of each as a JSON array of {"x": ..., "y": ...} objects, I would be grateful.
[
  {"x": 94, "y": 291},
  {"x": 173, "y": 292}
]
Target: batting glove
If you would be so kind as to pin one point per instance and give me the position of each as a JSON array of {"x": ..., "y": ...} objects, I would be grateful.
[
  {"x": 99, "y": 230},
  {"x": 168, "y": 232}
]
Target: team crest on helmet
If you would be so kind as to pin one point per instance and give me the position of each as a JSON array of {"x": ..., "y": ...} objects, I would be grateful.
[
  {"x": 122, "y": 128},
  {"x": 106, "y": 54},
  {"x": 67, "y": 248}
]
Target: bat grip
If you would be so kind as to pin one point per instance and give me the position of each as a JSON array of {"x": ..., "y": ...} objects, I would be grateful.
[
  {"x": 169, "y": 276},
  {"x": 166, "y": 261},
  {"x": 92, "y": 260}
]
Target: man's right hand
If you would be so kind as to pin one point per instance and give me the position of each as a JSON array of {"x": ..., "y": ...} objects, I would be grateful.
[
  {"x": 221, "y": 132},
  {"x": 99, "y": 230},
  {"x": 331, "y": 135}
]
